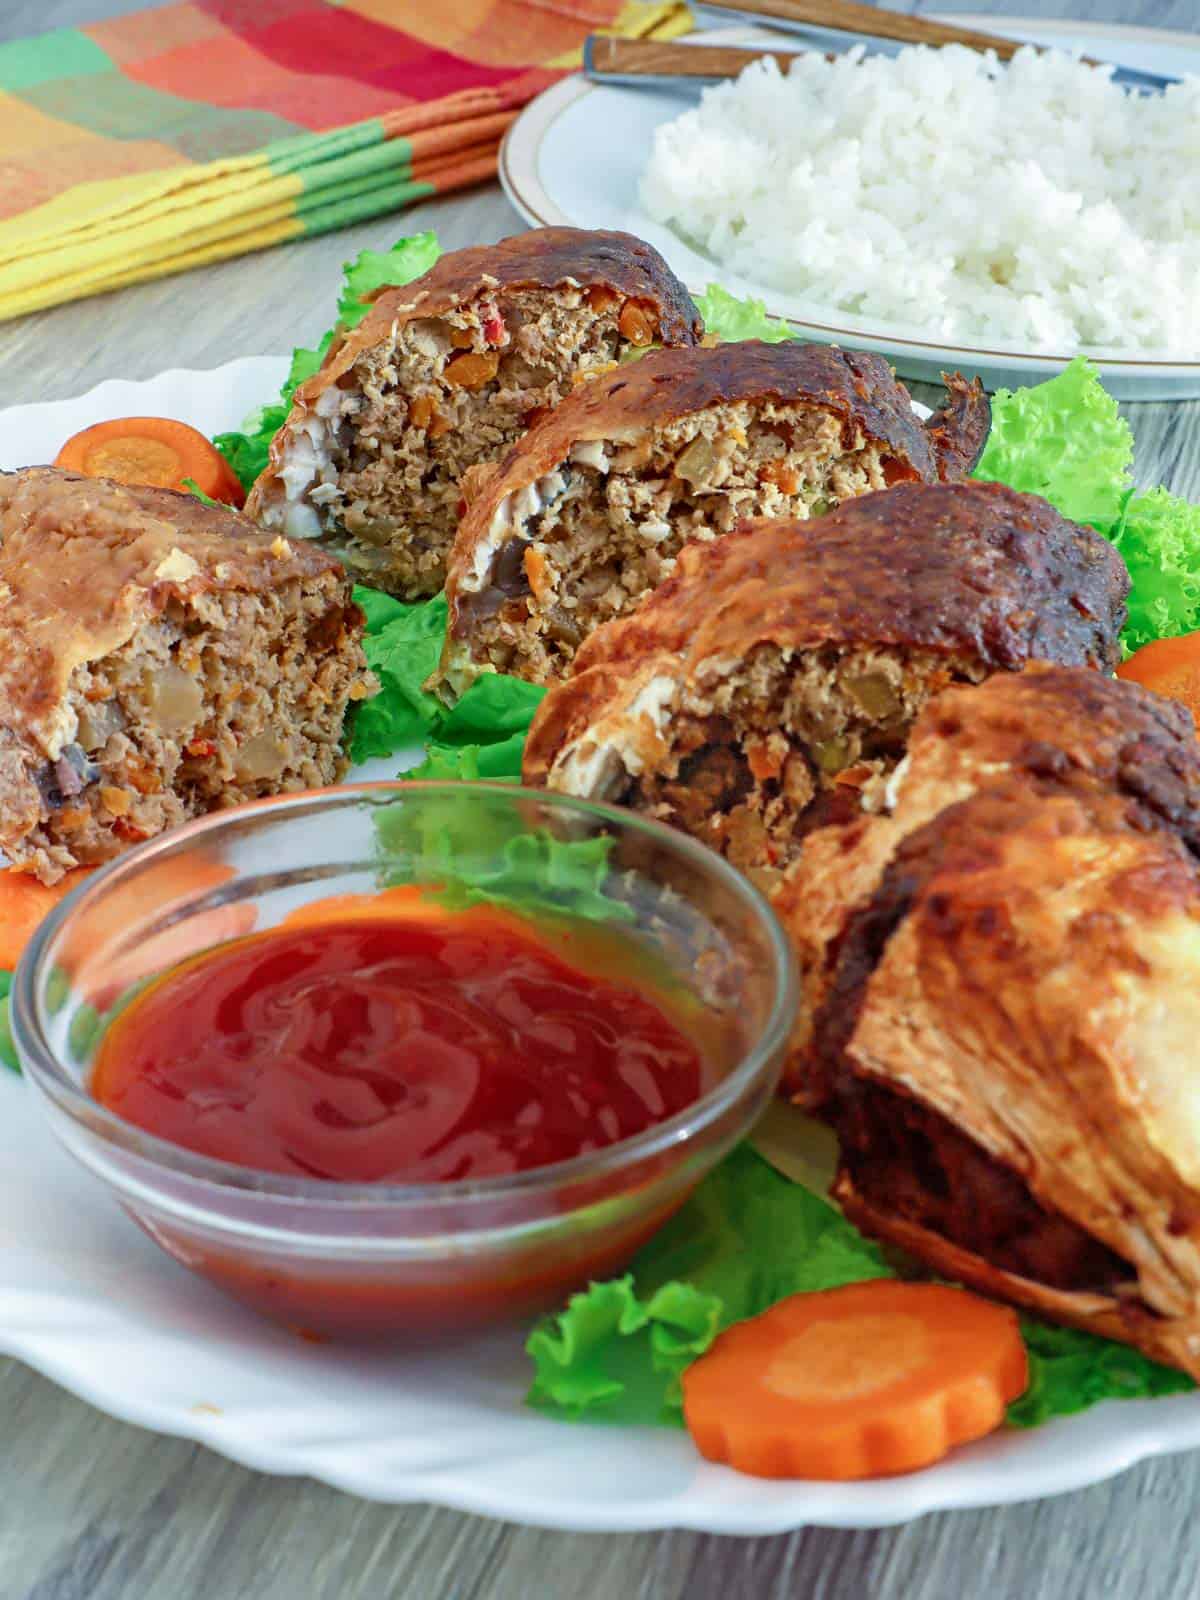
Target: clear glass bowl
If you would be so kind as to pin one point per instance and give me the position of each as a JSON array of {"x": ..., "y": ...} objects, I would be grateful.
[{"x": 354, "y": 1260}]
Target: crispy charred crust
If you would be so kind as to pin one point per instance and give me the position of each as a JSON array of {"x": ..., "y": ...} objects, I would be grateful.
[
  {"x": 860, "y": 390},
  {"x": 958, "y": 431},
  {"x": 100, "y": 586},
  {"x": 1070, "y": 729},
  {"x": 1106, "y": 1315},
  {"x": 900, "y": 1155},
  {"x": 949, "y": 568},
  {"x": 544, "y": 258},
  {"x": 944, "y": 567}
]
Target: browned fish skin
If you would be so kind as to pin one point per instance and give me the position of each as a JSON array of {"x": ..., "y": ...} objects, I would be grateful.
[{"x": 958, "y": 431}]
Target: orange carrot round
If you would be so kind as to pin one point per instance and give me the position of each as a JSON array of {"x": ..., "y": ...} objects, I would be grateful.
[
  {"x": 1170, "y": 667},
  {"x": 152, "y": 450},
  {"x": 24, "y": 901},
  {"x": 861, "y": 1382}
]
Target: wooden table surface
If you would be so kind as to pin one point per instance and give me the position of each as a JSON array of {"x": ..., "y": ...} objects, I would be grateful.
[{"x": 93, "y": 1510}]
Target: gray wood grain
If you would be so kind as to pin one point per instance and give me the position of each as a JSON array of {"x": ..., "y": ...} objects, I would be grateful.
[{"x": 94, "y": 1510}]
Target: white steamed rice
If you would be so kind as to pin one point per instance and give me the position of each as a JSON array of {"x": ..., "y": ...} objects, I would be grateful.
[{"x": 1038, "y": 205}]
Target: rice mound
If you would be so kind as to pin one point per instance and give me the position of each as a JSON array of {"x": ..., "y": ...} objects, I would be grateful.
[{"x": 1037, "y": 204}]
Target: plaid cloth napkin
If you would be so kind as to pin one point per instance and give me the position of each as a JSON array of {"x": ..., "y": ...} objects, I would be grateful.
[{"x": 173, "y": 137}]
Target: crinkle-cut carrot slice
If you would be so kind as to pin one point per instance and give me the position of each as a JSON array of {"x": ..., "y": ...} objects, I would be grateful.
[
  {"x": 157, "y": 451},
  {"x": 861, "y": 1382}
]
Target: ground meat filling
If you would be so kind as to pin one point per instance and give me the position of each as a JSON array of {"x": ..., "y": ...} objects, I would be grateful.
[
  {"x": 444, "y": 395},
  {"x": 234, "y": 696},
  {"x": 790, "y": 742},
  {"x": 591, "y": 539},
  {"x": 911, "y": 1162}
]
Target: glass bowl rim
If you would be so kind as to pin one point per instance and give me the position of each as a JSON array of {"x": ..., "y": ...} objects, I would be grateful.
[{"x": 54, "y": 1080}]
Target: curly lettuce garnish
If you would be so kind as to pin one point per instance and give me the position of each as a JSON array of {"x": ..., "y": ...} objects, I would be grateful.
[
  {"x": 729, "y": 318},
  {"x": 481, "y": 735},
  {"x": 1065, "y": 440},
  {"x": 1159, "y": 537}
]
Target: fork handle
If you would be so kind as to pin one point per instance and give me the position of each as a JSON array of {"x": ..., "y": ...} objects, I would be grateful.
[{"x": 608, "y": 56}]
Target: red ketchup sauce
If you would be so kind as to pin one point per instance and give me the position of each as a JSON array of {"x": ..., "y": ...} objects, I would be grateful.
[{"x": 404, "y": 1050}]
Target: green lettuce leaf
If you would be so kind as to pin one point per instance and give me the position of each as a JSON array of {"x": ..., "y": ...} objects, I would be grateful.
[
  {"x": 403, "y": 646},
  {"x": 472, "y": 763},
  {"x": 8, "y": 1050},
  {"x": 471, "y": 849},
  {"x": 482, "y": 737},
  {"x": 1065, "y": 440},
  {"x": 747, "y": 1238},
  {"x": 378, "y": 608},
  {"x": 494, "y": 707},
  {"x": 372, "y": 270},
  {"x": 402, "y": 650},
  {"x": 1070, "y": 1371},
  {"x": 731, "y": 319},
  {"x": 614, "y": 1356},
  {"x": 1159, "y": 537},
  {"x": 246, "y": 448}
]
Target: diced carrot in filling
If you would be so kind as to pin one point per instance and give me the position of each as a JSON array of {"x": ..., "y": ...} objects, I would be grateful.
[
  {"x": 472, "y": 369},
  {"x": 785, "y": 478},
  {"x": 637, "y": 324}
]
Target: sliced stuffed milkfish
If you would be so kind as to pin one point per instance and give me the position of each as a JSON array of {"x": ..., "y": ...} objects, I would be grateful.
[
  {"x": 1002, "y": 984},
  {"x": 162, "y": 658},
  {"x": 441, "y": 376},
  {"x": 770, "y": 685},
  {"x": 589, "y": 511}
]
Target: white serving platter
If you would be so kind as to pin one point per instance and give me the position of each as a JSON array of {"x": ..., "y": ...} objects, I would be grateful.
[{"x": 88, "y": 1300}]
